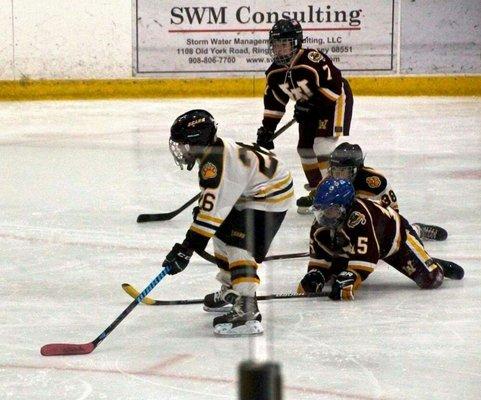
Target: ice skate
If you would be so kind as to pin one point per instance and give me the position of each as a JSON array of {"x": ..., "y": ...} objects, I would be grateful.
[
  {"x": 304, "y": 203},
  {"x": 451, "y": 270},
  {"x": 430, "y": 232},
  {"x": 243, "y": 319}
]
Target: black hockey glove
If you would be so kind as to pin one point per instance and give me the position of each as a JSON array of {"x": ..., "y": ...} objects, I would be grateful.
[
  {"x": 304, "y": 111},
  {"x": 265, "y": 138},
  {"x": 343, "y": 287},
  {"x": 177, "y": 259},
  {"x": 195, "y": 211},
  {"x": 313, "y": 282}
]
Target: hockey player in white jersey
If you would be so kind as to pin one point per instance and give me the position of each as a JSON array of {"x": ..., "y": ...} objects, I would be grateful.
[{"x": 245, "y": 194}]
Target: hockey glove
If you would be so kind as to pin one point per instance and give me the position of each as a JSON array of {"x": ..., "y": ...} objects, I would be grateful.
[
  {"x": 177, "y": 259},
  {"x": 344, "y": 286},
  {"x": 304, "y": 111},
  {"x": 195, "y": 211},
  {"x": 313, "y": 282},
  {"x": 265, "y": 138}
]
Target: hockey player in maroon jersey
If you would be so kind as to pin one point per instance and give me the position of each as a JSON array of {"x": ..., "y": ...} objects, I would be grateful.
[
  {"x": 245, "y": 194},
  {"x": 347, "y": 162},
  {"x": 323, "y": 100},
  {"x": 350, "y": 235}
]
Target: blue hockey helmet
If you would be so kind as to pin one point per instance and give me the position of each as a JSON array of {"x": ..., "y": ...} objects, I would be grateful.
[{"x": 332, "y": 201}]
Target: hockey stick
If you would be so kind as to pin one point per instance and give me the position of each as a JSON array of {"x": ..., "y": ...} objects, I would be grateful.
[
  {"x": 211, "y": 258},
  {"x": 167, "y": 216},
  {"x": 284, "y": 128},
  {"x": 67, "y": 349},
  {"x": 132, "y": 292}
]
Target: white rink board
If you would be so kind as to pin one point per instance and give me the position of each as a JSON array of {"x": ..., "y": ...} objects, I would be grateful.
[{"x": 187, "y": 37}]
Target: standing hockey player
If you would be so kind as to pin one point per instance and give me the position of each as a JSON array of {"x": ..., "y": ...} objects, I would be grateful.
[
  {"x": 323, "y": 100},
  {"x": 245, "y": 194},
  {"x": 347, "y": 162},
  {"x": 350, "y": 235}
]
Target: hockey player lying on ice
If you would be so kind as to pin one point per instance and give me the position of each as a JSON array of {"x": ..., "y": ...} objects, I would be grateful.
[{"x": 350, "y": 235}]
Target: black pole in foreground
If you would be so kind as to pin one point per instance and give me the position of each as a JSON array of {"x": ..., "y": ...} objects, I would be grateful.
[{"x": 260, "y": 381}]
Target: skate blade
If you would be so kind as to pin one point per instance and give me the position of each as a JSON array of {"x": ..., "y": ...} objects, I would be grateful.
[
  {"x": 224, "y": 309},
  {"x": 249, "y": 328}
]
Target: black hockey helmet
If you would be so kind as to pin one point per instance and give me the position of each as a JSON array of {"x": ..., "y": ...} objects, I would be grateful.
[
  {"x": 190, "y": 134},
  {"x": 285, "y": 31},
  {"x": 345, "y": 161}
]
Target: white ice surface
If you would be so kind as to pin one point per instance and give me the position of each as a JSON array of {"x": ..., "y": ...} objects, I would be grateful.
[{"x": 75, "y": 175}]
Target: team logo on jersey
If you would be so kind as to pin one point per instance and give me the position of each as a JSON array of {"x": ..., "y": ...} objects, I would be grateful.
[
  {"x": 209, "y": 171},
  {"x": 355, "y": 219},
  {"x": 373, "y": 182},
  {"x": 315, "y": 56}
]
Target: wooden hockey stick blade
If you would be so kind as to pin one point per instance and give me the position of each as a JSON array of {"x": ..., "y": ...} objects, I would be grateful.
[
  {"x": 66, "y": 349},
  {"x": 132, "y": 292},
  {"x": 166, "y": 216}
]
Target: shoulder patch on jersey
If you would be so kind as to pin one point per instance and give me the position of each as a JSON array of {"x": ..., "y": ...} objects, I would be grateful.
[
  {"x": 209, "y": 171},
  {"x": 373, "y": 181},
  {"x": 315, "y": 56},
  {"x": 355, "y": 219}
]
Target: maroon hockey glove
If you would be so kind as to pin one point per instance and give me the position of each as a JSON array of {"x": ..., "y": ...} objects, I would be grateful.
[{"x": 177, "y": 259}]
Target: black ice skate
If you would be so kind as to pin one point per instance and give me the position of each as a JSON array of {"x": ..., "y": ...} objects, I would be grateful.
[
  {"x": 431, "y": 232},
  {"x": 214, "y": 302},
  {"x": 243, "y": 319},
  {"x": 304, "y": 203},
  {"x": 451, "y": 270}
]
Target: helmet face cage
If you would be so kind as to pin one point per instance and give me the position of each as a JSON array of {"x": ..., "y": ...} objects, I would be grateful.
[
  {"x": 332, "y": 202},
  {"x": 343, "y": 172},
  {"x": 285, "y": 40},
  {"x": 181, "y": 154},
  {"x": 345, "y": 161},
  {"x": 283, "y": 51},
  {"x": 330, "y": 216}
]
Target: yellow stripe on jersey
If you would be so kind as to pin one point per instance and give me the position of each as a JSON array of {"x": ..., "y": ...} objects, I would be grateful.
[
  {"x": 274, "y": 186},
  {"x": 243, "y": 263},
  {"x": 200, "y": 231},
  {"x": 361, "y": 266},
  {"x": 418, "y": 250},
  {"x": 339, "y": 115},
  {"x": 204, "y": 217}
]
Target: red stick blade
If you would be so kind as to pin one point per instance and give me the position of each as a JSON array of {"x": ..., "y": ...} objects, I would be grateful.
[{"x": 66, "y": 349}]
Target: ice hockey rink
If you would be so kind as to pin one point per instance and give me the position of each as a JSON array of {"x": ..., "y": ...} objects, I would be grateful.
[{"x": 74, "y": 177}]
